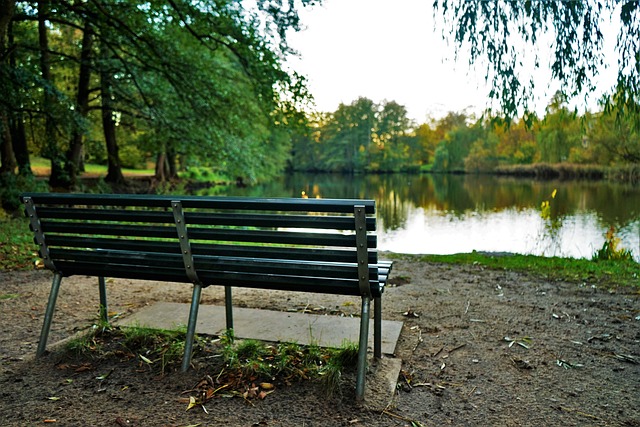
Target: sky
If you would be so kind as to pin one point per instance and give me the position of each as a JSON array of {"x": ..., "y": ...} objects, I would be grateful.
[{"x": 391, "y": 50}]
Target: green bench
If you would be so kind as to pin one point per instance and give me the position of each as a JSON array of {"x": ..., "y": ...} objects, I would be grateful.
[{"x": 308, "y": 245}]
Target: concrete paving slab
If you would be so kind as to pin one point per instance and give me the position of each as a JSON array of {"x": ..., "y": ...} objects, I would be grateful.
[
  {"x": 266, "y": 325},
  {"x": 381, "y": 381}
]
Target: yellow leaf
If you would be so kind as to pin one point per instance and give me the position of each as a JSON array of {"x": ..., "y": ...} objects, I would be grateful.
[
  {"x": 553, "y": 195},
  {"x": 266, "y": 386},
  {"x": 192, "y": 403}
]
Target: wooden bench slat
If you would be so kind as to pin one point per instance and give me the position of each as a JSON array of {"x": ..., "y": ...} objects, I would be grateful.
[
  {"x": 219, "y": 263},
  {"x": 231, "y": 278},
  {"x": 311, "y": 254},
  {"x": 278, "y": 237},
  {"x": 202, "y": 218},
  {"x": 99, "y": 214},
  {"x": 209, "y": 234},
  {"x": 236, "y": 203}
]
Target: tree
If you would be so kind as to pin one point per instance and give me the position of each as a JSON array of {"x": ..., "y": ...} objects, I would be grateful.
[
  {"x": 349, "y": 136},
  {"x": 517, "y": 141},
  {"x": 482, "y": 154},
  {"x": 392, "y": 141},
  {"x": 559, "y": 131},
  {"x": 611, "y": 141},
  {"x": 7, "y": 156},
  {"x": 184, "y": 79},
  {"x": 49, "y": 101},
  {"x": 500, "y": 31}
]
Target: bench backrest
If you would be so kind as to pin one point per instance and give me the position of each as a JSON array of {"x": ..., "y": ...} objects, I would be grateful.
[{"x": 316, "y": 245}]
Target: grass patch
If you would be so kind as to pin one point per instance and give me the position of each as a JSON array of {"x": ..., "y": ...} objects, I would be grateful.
[
  {"x": 158, "y": 349},
  {"x": 42, "y": 167},
  {"x": 604, "y": 273},
  {"x": 250, "y": 362},
  {"x": 247, "y": 368},
  {"x": 17, "y": 249},
  {"x": 288, "y": 361},
  {"x": 8, "y": 296}
]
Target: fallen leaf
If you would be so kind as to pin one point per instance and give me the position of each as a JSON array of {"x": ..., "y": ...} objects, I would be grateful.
[
  {"x": 627, "y": 358},
  {"x": 105, "y": 376},
  {"x": 146, "y": 360},
  {"x": 192, "y": 403}
]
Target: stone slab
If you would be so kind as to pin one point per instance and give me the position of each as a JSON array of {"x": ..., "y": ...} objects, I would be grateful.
[{"x": 265, "y": 325}]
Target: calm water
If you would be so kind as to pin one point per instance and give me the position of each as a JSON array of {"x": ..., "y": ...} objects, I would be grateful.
[{"x": 444, "y": 214}]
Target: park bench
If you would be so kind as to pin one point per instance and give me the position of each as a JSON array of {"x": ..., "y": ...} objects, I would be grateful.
[{"x": 308, "y": 245}]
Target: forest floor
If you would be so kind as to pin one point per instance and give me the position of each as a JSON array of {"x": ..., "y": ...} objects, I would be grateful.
[{"x": 479, "y": 347}]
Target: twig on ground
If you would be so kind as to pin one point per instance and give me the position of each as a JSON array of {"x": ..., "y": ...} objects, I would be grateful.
[
  {"x": 456, "y": 348},
  {"x": 437, "y": 352},
  {"x": 419, "y": 340}
]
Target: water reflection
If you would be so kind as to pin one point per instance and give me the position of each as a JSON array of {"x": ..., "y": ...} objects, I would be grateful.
[{"x": 445, "y": 214}]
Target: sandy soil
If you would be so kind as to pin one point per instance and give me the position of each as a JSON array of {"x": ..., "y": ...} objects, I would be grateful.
[{"x": 479, "y": 347}]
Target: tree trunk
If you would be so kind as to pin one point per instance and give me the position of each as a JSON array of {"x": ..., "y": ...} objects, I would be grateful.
[
  {"x": 74, "y": 155},
  {"x": 51, "y": 151},
  {"x": 7, "y": 157},
  {"x": 17, "y": 128},
  {"x": 172, "y": 164},
  {"x": 114, "y": 173},
  {"x": 19, "y": 140},
  {"x": 161, "y": 169}
]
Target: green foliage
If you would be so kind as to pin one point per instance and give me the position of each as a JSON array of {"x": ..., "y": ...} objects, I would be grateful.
[
  {"x": 611, "y": 250},
  {"x": 288, "y": 360},
  {"x": 11, "y": 186},
  {"x": 441, "y": 158},
  {"x": 17, "y": 249},
  {"x": 203, "y": 81},
  {"x": 151, "y": 347},
  {"x": 545, "y": 207},
  {"x": 561, "y": 144},
  {"x": 204, "y": 174},
  {"x": 360, "y": 137},
  {"x": 84, "y": 345},
  {"x": 510, "y": 38},
  {"x": 331, "y": 373},
  {"x": 559, "y": 133},
  {"x": 613, "y": 136}
]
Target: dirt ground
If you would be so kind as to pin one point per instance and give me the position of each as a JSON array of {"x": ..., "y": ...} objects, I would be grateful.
[{"x": 479, "y": 348}]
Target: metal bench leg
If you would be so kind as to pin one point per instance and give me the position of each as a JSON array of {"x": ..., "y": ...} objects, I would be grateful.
[
  {"x": 362, "y": 348},
  {"x": 228, "y": 304},
  {"x": 48, "y": 315},
  {"x": 191, "y": 327},
  {"x": 104, "y": 311},
  {"x": 377, "y": 327}
]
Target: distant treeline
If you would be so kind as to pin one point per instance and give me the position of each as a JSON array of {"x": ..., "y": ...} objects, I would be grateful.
[{"x": 369, "y": 137}]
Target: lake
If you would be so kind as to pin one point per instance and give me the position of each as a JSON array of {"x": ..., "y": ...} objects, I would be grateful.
[{"x": 445, "y": 214}]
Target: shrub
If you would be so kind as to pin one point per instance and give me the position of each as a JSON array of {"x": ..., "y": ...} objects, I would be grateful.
[{"x": 610, "y": 249}]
